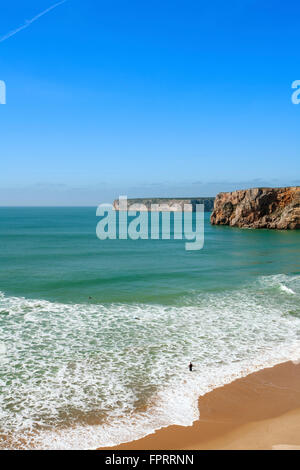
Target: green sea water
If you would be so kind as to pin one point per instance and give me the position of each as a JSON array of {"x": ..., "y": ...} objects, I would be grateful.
[{"x": 96, "y": 336}]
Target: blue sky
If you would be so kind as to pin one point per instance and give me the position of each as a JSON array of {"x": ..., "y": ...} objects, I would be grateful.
[{"x": 172, "y": 98}]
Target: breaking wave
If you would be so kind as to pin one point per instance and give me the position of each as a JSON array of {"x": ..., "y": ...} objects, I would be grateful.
[{"x": 84, "y": 376}]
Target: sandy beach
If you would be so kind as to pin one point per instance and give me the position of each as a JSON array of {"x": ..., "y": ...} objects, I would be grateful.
[{"x": 260, "y": 411}]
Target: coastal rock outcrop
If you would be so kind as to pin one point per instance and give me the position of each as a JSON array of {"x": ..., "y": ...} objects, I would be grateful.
[{"x": 274, "y": 208}]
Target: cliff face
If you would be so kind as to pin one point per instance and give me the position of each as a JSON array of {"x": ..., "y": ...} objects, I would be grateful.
[
  {"x": 166, "y": 203},
  {"x": 277, "y": 208}
]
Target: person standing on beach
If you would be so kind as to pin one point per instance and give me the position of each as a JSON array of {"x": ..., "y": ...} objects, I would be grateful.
[{"x": 191, "y": 367}]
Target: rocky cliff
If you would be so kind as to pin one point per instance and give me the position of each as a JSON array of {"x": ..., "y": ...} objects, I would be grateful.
[
  {"x": 277, "y": 208},
  {"x": 166, "y": 203}
]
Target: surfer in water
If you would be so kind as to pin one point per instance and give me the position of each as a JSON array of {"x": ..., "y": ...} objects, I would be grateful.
[{"x": 191, "y": 367}]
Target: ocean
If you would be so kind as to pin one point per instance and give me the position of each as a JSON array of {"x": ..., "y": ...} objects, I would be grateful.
[{"x": 96, "y": 336}]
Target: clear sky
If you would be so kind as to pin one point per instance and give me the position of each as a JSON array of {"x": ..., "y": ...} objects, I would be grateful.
[{"x": 158, "y": 98}]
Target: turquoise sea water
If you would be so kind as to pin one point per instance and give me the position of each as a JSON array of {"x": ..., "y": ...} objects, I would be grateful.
[{"x": 96, "y": 336}]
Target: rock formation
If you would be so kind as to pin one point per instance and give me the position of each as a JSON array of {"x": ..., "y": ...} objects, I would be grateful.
[
  {"x": 166, "y": 203},
  {"x": 276, "y": 208}
]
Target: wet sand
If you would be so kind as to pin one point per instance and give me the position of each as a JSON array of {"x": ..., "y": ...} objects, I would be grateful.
[{"x": 260, "y": 411}]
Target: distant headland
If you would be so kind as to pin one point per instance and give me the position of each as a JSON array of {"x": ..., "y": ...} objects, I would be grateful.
[{"x": 165, "y": 204}]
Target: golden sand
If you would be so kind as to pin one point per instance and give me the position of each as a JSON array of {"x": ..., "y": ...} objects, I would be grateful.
[{"x": 260, "y": 411}]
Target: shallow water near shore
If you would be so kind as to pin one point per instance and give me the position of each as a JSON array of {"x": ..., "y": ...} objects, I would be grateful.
[{"x": 96, "y": 336}]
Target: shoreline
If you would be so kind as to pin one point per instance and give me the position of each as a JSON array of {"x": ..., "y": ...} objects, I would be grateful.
[{"x": 259, "y": 411}]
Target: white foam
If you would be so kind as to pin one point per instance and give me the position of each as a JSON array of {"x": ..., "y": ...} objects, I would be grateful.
[
  {"x": 286, "y": 283},
  {"x": 287, "y": 289},
  {"x": 66, "y": 362}
]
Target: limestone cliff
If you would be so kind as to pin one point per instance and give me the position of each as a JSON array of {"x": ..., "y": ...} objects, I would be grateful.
[
  {"x": 166, "y": 203},
  {"x": 276, "y": 208}
]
